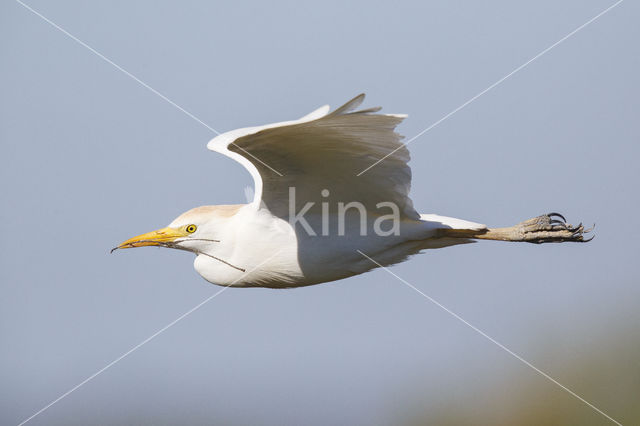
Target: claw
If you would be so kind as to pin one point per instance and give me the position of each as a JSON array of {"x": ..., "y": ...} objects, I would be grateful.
[
  {"x": 557, "y": 215},
  {"x": 578, "y": 228},
  {"x": 588, "y": 239}
]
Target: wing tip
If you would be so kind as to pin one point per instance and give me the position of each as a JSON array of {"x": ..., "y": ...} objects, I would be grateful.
[
  {"x": 350, "y": 105},
  {"x": 350, "y": 108}
]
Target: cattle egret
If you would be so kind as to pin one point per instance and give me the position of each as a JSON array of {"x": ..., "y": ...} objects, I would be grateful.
[{"x": 323, "y": 200}]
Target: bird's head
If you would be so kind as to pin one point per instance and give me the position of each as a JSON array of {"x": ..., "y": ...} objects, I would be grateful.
[{"x": 195, "y": 230}]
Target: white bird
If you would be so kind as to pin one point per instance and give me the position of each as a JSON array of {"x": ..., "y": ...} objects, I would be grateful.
[{"x": 325, "y": 207}]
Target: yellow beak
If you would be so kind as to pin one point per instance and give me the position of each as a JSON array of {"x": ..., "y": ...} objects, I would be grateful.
[{"x": 153, "y": 238}]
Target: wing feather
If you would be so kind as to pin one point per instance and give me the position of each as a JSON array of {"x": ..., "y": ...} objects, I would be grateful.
[{"x": 325, "y": 152}]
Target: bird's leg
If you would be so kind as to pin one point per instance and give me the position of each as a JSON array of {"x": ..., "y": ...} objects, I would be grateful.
[{"x": 548, "y": 228}]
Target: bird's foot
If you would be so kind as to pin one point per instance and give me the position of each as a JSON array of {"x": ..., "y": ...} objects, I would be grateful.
[{"x": 551, "y": 228}]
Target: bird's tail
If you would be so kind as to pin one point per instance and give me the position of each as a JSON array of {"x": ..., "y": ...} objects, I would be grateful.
[
  {"x": 461, "y": 230},
  {"x": 443, "y": 222}
]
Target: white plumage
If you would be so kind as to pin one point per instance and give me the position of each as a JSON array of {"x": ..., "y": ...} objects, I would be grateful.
[
  {"x": 305, "y": 224},
  {"x": 324, "y": 150}
]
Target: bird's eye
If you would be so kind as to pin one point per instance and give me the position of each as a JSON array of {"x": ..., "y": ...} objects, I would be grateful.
[{"x": 191, "y": 228}]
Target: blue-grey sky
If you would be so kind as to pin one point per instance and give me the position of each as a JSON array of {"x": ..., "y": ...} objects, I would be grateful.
[{"x": 91, "y": 157}]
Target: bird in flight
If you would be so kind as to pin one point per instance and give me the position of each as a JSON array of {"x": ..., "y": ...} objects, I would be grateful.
[{"x": 331, "y": 201}]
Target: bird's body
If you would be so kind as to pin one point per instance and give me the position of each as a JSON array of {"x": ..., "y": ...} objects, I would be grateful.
[
  {"x": 324, "y": 206},
  {"x": 245, "y": 235}
]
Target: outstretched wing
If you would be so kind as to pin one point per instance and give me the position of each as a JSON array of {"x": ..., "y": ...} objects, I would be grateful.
[{"x": 324, "y": 152}]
